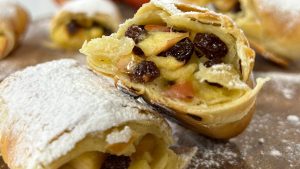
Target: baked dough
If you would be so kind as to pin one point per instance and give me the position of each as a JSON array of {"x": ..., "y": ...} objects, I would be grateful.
[
  {"x": 14, "y": 20},
  {"x": 195, "y": 2},
  {"x": 185, "y": 58},
  {"x": 209, "y": 89},
  {"x": 59, "y": 115},
  {"x": 272, "y": 27},
  {"x": 78, "y": 21}
]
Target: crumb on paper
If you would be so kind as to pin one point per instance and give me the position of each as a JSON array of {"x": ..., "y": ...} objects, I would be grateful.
[
  {"x": 275, "y": 153},
  {"x": 293, "y": 119},
  {"x": 288, "y": 93},
  {"x": 261, "y": 140}
]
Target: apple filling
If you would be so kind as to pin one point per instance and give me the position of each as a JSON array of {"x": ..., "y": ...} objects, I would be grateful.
[
  {"x": 75, "y": 30},
  {"x": 183, "y": 63},
  {"x": 138, "y": 151},
  {"x": 194, "y": 67}
]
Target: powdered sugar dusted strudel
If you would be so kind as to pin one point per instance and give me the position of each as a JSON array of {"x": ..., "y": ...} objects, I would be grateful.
[{"x": 59, "y": 115}]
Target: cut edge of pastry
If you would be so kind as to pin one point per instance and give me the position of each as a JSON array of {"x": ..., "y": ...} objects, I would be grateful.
[
  {"x": 223, "y": 122},
  {"x": 103, "y": 53},
  {"x": 145, "y": 149}
]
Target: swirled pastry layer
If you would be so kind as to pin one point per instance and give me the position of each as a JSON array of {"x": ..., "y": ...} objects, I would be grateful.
[{"x": 185, "y": 58}]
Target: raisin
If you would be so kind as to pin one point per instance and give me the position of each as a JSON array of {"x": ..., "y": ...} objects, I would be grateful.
[
  {"x": 182, "y": 50},
  {"x": 210, "y": 63},
  {"x": 138, "y": 51},
  {"x": 210, "y": 45},
  {"x": 116, "y": 162},
  {"x": 237, "y": 7},
  {"x": 144, "y": 72},
  {"x": 137, "y": 33},
  {"x": 106, "y": 30},
  {"x": 73, "y": 27},
  {"x": 199, "y": 54}
]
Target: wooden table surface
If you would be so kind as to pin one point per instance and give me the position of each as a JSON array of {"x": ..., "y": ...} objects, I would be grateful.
[{"x": 272, "y": 140}]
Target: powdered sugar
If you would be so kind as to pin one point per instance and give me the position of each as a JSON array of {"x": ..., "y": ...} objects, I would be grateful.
[
  {"x": 288, "y": 93},
  {"x": 270, "y": 141},
  {"x": 261, "y": 140},
  {"x": 290, "y": 6},
  {"x": 211, "y": 153},
  {"x": 275, "y": 153},
  {"x": 288, "y": 11},
  {"x": 293, "y": 119},
  {"x": 55, "y": 105},
  {"x": 286, "y": 83},
  {"x": 223, "y": 74},
  {"x": 92, "y": 7}
]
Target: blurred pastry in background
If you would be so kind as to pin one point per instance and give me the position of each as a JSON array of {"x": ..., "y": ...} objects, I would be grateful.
[
  {"x": 134, "y": 3},
  {"x": 82, "y": 20},
  {"x": 60, "y": 2},
  {"x": 14, "y": 21},
  {"x": 272, "y": 26}
]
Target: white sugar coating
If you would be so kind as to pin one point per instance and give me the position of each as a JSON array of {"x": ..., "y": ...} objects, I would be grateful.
[
  {"x": 261, "y": 140},
  {"x": 293, "y": 118},
  {"x": 223, "y": 74},
  {"x": 288, "y": 93},
  {"x": 122, "y": 136},
  {"x": 275, "y": 153},
  {"x": 285, "y": 83},
  {"x": 92, "y": 7},
  {"x": 290, "y": 6},
  {"x": 52, "y": 106},
  {"x": 287, "y": 12},
  {"x": 210, "y": 154}
]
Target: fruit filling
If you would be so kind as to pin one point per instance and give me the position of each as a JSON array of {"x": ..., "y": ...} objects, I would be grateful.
[
  {"x": 140, "y": 151},
  {"x": 73, "y": 27},
  {"x": 181, "y": 64},
  {"x": 173, "y": 56},
  {"x": 74, "y": 30}
]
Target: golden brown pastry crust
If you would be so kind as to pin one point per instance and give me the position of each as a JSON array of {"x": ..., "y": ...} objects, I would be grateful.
[
  {"x": 37, "y": 131},
  {"x": 205, "y": 118},
  {"x": 280, "y": 31}
]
